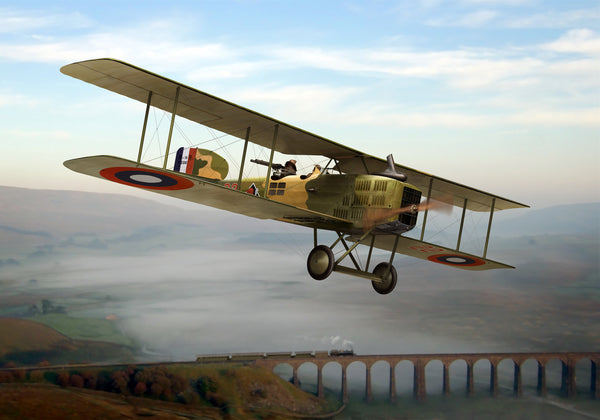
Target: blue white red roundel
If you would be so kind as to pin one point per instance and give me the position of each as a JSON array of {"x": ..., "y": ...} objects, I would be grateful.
[
  {"x": 146, "y": 178},
  {"x": 455, "y": 259}
]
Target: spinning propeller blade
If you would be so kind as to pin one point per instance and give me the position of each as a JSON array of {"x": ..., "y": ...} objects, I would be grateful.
[{"x": 374, "y": 216}]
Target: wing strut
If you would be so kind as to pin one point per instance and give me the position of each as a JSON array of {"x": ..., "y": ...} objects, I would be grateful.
[
  {"x": 370, "y": 253},
  {"x": 462, "y": 224},
  {"x": 139, "y": 159},
  {"x": 426, "y": 207},
  {"x": 275, "y": 132},
  {"x": 362, "y": 159},
  {"x": 489, "y": 229},
  {"x": 244, "y": 156},
  {"x": 172, "y": 124}
]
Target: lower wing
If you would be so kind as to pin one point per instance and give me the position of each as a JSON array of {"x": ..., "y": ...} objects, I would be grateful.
[
  {"x": 431, "y": 252},
  {"x": 199, "y": 190}
]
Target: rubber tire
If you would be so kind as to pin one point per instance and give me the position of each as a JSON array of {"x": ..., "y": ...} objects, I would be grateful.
[
  {"x": 320, "y": 262},
  {"x": 385, "y": 287}
]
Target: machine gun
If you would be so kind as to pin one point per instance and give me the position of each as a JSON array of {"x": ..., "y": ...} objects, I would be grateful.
[{"x": 275, "y": 166}]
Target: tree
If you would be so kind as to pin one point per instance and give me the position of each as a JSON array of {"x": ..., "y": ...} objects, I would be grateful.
[
  {"x": 103, "y": 381},
  {"x": 36, "y": 376},
  {"x": 156, "y": 389},
  {"x": 47, "y": 306},
  {"x": 120, "y": 382},
  {"x": 89, "y": 379},
  {"x": 76, "y": 381},
  {"x": 5, "y": 377},
  {"x": 19, "y": 375},
  {"x": 140, "y": 389},
  {"x": 205, "y": 385},
  {"x": 63, "y": 379}
]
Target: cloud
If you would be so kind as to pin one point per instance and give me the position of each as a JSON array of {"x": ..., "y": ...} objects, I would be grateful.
[
  {"x": 35, "y": 134},
  {"x": 554, "y": 19},
  {"x": 475, "y": 19},
  {"x": 581, "y": 41},
  {"x": 478, "y": 18},
  {"x": 498, "y": 2},
  {"x": 482, "y": 86},
  {"x": 146, "y": 45},
  {"x": 12, "y": 100},
  {"x": 505, "y": 15},
  {"x": 548, "y": 117},
  {"x": 21, "y": 21}
]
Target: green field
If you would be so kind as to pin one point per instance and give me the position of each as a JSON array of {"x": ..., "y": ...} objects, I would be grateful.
[{"x": 85, "y": 328}]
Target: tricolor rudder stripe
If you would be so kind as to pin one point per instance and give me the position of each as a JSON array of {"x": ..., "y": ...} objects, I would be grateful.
[
  {"x": 184, "y": 159},
  {"x": 200, "y": 162}
]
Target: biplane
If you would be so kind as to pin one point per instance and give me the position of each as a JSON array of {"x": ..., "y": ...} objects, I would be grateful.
[{"x": 365, "y": 200}]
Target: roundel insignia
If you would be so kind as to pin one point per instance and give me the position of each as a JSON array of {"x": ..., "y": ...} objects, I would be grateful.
[
  {"x": 146, "y": 178},
  {"x": 454, "y": 259}
]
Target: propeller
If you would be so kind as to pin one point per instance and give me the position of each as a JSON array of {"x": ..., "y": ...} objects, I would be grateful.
[{"x": 375, "y": 216}]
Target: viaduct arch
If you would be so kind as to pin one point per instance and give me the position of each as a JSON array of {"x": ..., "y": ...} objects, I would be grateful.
[{"x": 568, "y": 362}]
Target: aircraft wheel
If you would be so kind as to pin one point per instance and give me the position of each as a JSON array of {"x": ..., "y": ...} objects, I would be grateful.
[
  {"x": 387, "y": 285},
  {"x": 320, "y": 262}
]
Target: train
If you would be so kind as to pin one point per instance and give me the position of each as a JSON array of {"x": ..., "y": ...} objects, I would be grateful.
[{"x": 239, "y": 357}]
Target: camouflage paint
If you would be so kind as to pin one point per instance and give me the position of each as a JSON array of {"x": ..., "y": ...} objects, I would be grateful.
[{"x": 355, "y": 198}]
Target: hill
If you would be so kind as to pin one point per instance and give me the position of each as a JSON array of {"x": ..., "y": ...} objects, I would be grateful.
[
  {"x": 17, "y": 335},
  {"x": 23, "y": 341},
  {"x": 35, "y": 222},
  {"x": 567, "y": 219},
  {"x": 45, "y": 401},
  {"x": 33, "y": 219},
  {"x": 161, "y": 391}
]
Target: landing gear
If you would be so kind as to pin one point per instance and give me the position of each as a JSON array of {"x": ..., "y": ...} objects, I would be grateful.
[
  {"x": 388, "y": 276},
  {"x": 320, "y": 262}
]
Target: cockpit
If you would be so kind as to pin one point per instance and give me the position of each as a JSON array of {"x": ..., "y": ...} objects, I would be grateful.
[{"x": 289, "y": 169}]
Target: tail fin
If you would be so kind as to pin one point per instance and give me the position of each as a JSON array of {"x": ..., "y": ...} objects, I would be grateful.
[{"x": 200, "y": 162}]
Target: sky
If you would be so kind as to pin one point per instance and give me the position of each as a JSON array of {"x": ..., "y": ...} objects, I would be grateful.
[{"x": 503, "y": 96}]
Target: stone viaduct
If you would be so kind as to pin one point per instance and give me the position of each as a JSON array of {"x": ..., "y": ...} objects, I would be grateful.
[{"x": 420, "y": 361}]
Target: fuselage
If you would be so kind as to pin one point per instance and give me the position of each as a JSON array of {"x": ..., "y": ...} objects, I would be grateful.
[{"x": 365, "y": 200}]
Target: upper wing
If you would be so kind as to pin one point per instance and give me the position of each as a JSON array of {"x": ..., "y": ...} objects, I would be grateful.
[
  {"x": 436, "y": 188},
  {"x": 431, "y": 252},
  {"x": 232, "y": 119},
  {"x": 134, "y": 82},
  {"x": 199, "y": 190}
]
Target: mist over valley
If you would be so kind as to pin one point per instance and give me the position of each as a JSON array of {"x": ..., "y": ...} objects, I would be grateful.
[{"x": 184, "y": 282}]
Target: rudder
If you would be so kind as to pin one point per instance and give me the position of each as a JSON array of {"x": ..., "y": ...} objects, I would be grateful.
[{"x": 200, "y": 162}]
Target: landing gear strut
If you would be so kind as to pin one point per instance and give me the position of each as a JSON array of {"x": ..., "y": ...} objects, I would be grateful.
[{"x": 321, "y": 263}]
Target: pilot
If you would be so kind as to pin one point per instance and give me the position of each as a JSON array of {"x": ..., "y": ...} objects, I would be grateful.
[
  {"x": 316, "y": 171},
  {"x": 289, "y": 168}
]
